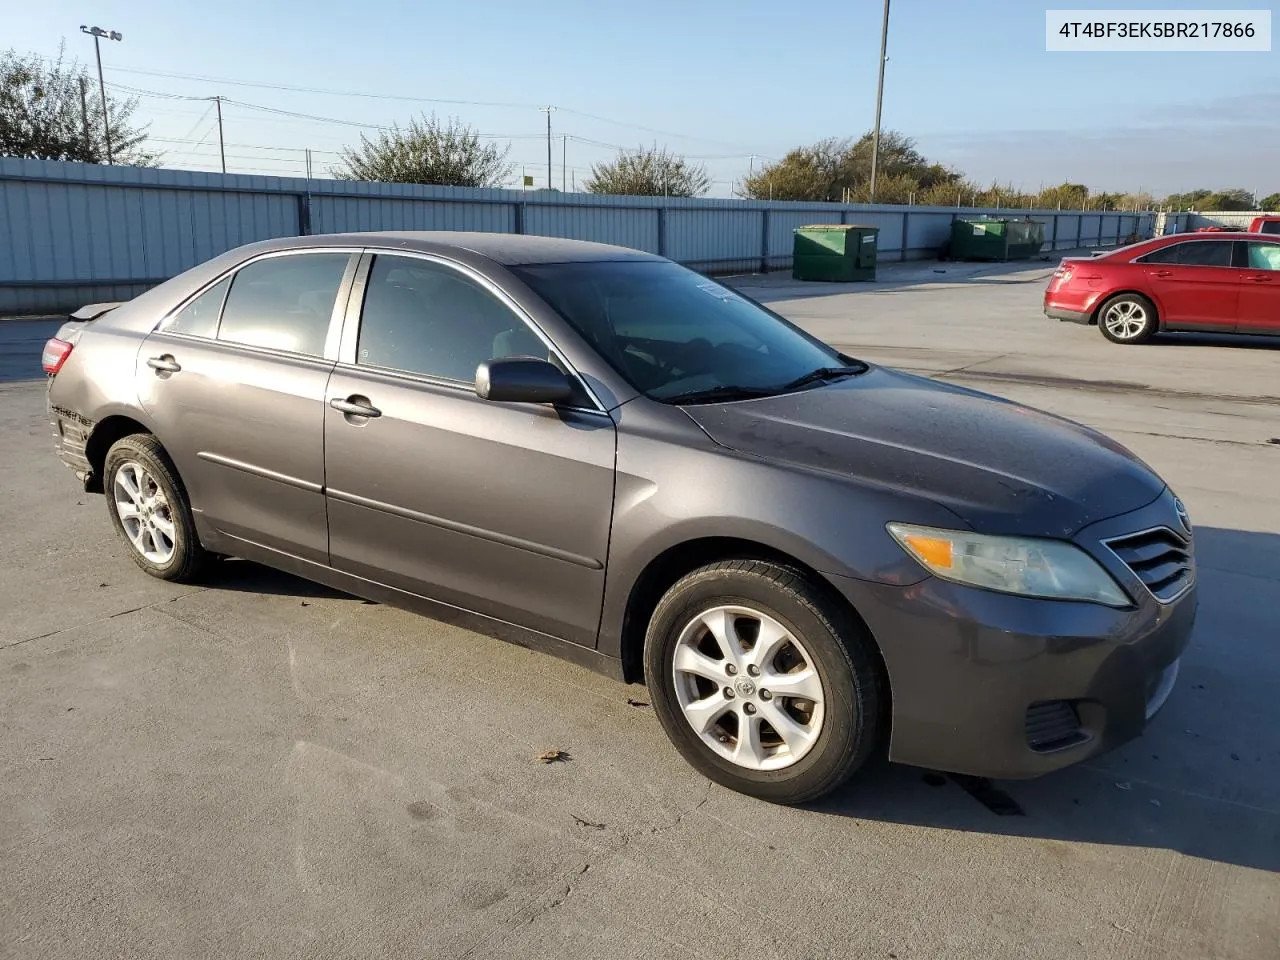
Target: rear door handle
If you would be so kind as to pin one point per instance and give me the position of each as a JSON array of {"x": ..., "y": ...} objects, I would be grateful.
[
  {"x": 1164, "y": 273},
  {"x": 355, "y": 406},
  {"x": 1260, "y": 278},
  {"x": 164, "y": 364}
]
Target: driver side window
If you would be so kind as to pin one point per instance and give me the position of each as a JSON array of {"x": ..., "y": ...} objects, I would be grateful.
[{"x": 425, "y": 318}]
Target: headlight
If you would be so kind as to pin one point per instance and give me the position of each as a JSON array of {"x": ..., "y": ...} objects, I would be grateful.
[{"x": 1030, "y": 567}]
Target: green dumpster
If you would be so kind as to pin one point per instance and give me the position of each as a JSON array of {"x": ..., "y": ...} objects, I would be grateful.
[
  {"x": 995, "y": 238},
  {"x": 835, "y": 252}
]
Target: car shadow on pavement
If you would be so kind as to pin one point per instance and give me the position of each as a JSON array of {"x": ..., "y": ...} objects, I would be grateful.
[
  {"x": 1238, "y": 341},
  {"x": 245, "y": 576},
  {"x": 1203, "y": 780}
]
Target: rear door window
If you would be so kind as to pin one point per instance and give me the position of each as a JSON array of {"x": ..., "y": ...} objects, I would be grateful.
[
  {"x": 1205, "y": 253},
  {"x": 1269, "y": 226},
  {"x": 284, "y": 303}
]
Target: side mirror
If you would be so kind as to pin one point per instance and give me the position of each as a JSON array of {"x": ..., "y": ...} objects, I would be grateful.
[{"x": 522, "y": 380}]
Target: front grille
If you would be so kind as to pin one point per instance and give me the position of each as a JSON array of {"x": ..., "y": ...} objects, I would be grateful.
[
  {"x": 1160, "y": 558},
  {"x": 1053, "y": 725}
]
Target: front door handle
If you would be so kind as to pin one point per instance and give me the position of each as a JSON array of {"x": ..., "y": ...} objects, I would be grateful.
[
  {"x": 355, "y": 406},
  {"x": 164, "y": 364}
]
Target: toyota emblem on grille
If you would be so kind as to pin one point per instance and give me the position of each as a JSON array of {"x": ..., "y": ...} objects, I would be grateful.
[{"x": 1183, "y": 517}]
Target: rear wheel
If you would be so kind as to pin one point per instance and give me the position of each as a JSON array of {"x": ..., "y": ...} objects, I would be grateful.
[
  {"x": 149, "y": 508},
  {"x": 763, "y": 683},
  {"x": 1127, "y": 318}
]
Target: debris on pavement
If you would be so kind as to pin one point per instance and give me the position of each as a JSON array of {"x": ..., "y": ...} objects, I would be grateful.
[{"x": 552, "y": 756}]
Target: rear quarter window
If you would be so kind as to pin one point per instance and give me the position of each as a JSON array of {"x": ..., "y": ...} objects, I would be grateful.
[{"x": 199, "y": 318}]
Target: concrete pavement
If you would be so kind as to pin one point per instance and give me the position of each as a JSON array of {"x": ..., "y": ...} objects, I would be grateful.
[{"x": 262, "y": 767}]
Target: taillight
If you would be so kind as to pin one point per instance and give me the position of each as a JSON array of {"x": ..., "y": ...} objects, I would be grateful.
[
  {"x": 55, "y": 355},
  {"x": 1060, "y": 276}
]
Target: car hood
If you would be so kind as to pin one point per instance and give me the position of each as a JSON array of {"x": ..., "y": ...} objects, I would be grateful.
[{"x": 1001, "y": 467}]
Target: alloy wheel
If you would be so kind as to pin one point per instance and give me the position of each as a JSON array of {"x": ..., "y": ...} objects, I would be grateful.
[
  {"x": 1125, "y": 319},
  {"x": 748, "y": 687},
  {"x": 144, "y": 512}
]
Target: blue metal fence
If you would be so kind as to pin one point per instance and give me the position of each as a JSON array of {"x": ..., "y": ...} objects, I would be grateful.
[{"x": 72, "y": 233}]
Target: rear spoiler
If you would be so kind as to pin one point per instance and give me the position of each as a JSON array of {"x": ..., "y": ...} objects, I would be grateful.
[{"x": 92, "y": 311}]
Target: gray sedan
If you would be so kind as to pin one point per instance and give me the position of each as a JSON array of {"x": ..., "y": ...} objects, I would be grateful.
[{"x": 596, "y": 452}]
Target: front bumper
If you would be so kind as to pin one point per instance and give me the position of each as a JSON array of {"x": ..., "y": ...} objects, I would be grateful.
[{"x": 1012, "y": 687}]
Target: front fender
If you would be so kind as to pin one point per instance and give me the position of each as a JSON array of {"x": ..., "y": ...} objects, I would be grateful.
[{"x": 668, "y": 496}]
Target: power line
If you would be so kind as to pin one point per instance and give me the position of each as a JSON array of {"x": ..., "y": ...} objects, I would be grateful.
[
  {"x": 195, "y": 125},
  {"x": 415, "y": 99}
]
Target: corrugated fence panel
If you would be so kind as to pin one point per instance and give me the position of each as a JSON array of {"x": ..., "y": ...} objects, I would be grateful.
[
  {"x": 603, "y": 224},
  {"x": 889, "y": 242},
  {"x": 1068, "y": 231},
  {"x": 1241, "y": 221},
  {"x": 342, "y": 214},
  {"x": 713, "y": 238},
  {"x": 72, "y": 231},
  {"x": 928, "y": 231}
]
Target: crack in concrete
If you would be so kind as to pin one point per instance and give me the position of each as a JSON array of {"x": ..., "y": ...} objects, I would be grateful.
[{"x": 103, "y": 619}]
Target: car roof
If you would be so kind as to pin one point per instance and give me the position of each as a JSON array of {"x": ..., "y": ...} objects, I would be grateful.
[
  {"x": 508, "y": 249},
  {"x": 1215, "y": 235}
]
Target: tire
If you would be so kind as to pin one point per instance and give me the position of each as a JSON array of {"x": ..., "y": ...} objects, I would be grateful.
[
  {"x": 156, "y": 524},
  {"x": 1128, "y": 318},
  {"x": 754, "y": 600}
]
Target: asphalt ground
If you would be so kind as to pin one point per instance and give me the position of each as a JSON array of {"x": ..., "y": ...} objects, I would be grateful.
[{"x": 261, "y": 767}]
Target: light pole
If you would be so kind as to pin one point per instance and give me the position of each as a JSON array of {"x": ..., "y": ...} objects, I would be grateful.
[
  {"x": 98, "y": 33},
  {"x": 875, "y": 136},
  {"x": 548, "y": 112}
]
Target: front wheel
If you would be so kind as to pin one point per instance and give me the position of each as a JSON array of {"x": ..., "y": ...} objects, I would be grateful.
[
  {"x": 763, "y": 682},
  {"x": 1127, "y": 318}
]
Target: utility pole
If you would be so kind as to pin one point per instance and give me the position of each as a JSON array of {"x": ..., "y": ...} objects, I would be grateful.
[
  {"x": 875, "y": 136},
  {"x": 548, "y": 109},
  {"x": 222, "y": 148},
  {"x": 564, "y": 163},
  {"x": 98, "y": 33},
  {"x": 84, "y": 117},
  {"x": 308, "y": 163}
]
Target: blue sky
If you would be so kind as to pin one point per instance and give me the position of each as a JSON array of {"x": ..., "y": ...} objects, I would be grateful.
[{"x": 970, "y": 80}]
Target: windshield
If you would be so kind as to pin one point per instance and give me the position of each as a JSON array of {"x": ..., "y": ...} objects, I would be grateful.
[{"x": 673, "y": 333}]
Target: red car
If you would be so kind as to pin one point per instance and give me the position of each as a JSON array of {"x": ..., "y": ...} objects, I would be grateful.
[
  {"x": 1219, "y": 283},
  {"x": 1265, "y": 225}
]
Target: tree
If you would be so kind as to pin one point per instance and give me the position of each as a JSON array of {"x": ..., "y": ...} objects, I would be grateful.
[
  {"x": 43, "y": 115},
  {"x": 1191, "y": 200},
  {"x": 1271, "y": 202},
  {"x": 649, "y": 172},
  {"x": 429, "y": 151},
  {"x": 836, "y": 169},
  {"x": 1235, "y": 199}
]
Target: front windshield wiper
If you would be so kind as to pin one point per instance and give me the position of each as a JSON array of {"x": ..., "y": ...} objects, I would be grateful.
[
  {"x": 825, "y": 373},
  {"x": 728, "y": 391}
]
